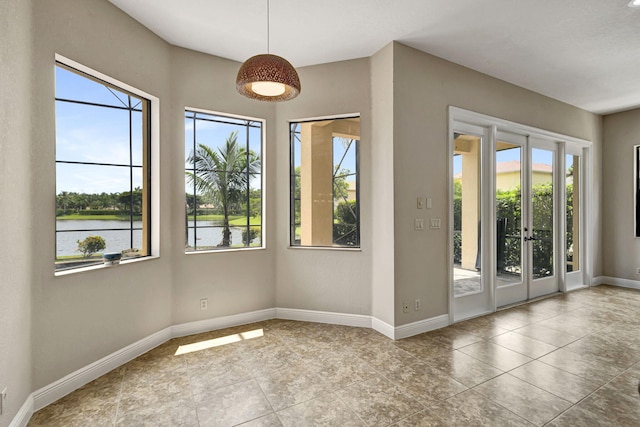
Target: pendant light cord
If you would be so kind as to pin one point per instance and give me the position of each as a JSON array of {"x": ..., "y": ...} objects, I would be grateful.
[{"x": 268, "y": 30}]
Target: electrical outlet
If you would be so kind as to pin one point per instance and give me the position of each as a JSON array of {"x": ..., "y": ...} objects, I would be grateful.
[
  {"x": 419, "y": 224},
  {"x": 417, "y": 305},
  {"x": 204, "y": 304},
  {"x": 637, "y": 270},
  {"x": 3, "y": 397},
  {"x": 405, "y": 307}
]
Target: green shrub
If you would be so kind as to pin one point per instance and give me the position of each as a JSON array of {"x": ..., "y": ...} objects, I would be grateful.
[
  {"x": 253, "y": 233},
  {"x": 91, "y": 245},
  {"x": 508, "y": 204},
  {"x": 346, "y": 212},
  {"x": 345, "y": 235}
]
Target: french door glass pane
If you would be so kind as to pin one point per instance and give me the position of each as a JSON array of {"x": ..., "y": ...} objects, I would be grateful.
[
  {"x": 572, "y": 194},
  {"x": 542, "y": 212},
  {"x": 508, "y": 213},
  {"x": 467, "y": 241}
]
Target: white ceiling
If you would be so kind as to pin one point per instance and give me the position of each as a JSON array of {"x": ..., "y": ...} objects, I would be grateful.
[{"x": 583, "y": 52}]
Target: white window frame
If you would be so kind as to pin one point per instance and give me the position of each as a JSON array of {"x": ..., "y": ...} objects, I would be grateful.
[
  {"x": 263, "y": 189},
  {"x": 154, "y": 180}
]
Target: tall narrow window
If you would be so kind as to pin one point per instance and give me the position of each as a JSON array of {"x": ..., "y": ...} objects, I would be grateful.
[
  {"x": 223, "y": 182},
  {"x": 572, "y": 215},
  {"x": 325, "y": 210},
  {"x": 102, "y": 170}
]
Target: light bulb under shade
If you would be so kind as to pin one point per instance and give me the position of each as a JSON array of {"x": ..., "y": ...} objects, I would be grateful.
[
  {"x": 268, "y": 88},
  {"x": 634, "y": 3},
  {"x": 261, "y": 71}
]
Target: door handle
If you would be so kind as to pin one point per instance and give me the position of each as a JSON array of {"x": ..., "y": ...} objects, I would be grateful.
[{"x": 530, "y": 238}]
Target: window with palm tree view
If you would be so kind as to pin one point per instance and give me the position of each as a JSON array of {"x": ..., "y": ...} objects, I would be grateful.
[
  {"x": 325, "y": 211},
  {"x": 102, "y": 170},
  {"x": 223, "y": 182}
]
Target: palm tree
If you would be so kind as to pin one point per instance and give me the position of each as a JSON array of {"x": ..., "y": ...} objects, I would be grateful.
[{"x": 223, "y": 175}]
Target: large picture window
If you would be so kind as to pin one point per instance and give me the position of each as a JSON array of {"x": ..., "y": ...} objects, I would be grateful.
[
  {"x": 223, "y": 182},
  {"x": 102, "y": 170},
  {"x": 325, "y": 210}
]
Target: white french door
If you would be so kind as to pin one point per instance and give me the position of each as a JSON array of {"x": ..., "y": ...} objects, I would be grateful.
[
  {"x": 527, "y": 210},
  {"x": 472, "y": 289},
  {"x": 517, "y": 222}
]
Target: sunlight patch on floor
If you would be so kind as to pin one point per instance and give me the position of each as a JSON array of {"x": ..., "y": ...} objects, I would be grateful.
[{"x": 217, "y": 342}]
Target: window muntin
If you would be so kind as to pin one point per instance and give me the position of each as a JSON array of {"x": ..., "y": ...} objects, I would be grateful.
[
  {"x": 102, "y": 169},
  {"x": 223, "y": 182},
  {"x": 324, "y": 183}
]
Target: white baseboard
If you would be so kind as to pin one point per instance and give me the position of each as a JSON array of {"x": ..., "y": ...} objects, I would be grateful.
[
  {"x": 60, "y": 388},
  {"x": 410, "y": 329},
  {"x": 358, "y": 320},
  {"x": 421, "y": 326},
  {"x": 624, "y": 283},
  {"x": 384, "y": 328},
  {"x": 56, "y": 390},
  {"x": 24, "y": 413},
  {"x": 200, "y": 326}
]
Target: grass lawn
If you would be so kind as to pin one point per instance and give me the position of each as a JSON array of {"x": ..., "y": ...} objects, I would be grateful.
[
  {"x": 234, "y": 220},
  {"x": 97, "y": 217},
  {"x": 78, "y": 257}
]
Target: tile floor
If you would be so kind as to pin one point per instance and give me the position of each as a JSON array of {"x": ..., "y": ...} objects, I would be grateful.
[{"x": 570, "y": 360}]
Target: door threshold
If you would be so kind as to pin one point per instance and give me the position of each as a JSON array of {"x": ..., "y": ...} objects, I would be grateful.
[{"x": 517, "y": 304}]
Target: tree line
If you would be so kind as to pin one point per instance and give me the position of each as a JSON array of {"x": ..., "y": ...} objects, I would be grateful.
[{"x": 68, "y": 203}]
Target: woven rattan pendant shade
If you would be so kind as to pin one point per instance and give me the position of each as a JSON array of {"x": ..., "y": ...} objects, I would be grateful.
[
  {"x": 268, "y": 77},
  {"x": 268, "y": 70}
]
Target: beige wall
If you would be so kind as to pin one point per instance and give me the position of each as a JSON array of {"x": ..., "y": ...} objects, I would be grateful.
[
  {"x": 382, "y": 205},
  {"x": 233, "y": 282},
  {"x": 15, "y": 203},
  {"x": 53, "y": 326},
  {"x": 325, "y": 279},
  {"x": 82, "y": 317},
  {"x": 621, "y": 250},
  {"x": 424, "y": 87}
]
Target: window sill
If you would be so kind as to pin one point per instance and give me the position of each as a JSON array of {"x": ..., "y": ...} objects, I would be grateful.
[
  {"x": 214, "y": 251},
  {"x": 102, "y": 266},
  {"x": 325, "y": 248}
]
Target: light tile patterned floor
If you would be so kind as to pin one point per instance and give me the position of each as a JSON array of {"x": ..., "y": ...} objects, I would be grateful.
[{"x": 570, "y": 360}]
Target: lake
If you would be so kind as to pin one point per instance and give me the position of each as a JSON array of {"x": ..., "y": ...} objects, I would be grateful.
[{"x": 116, "y": 241}]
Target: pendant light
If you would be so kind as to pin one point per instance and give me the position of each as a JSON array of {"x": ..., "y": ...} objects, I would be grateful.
[{"x": 268, "y": 77}]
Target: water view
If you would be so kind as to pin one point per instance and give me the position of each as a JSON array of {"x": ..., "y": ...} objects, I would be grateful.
[
  {"x": 116, "y": 240},
  {"x": 209, "y": 234}
]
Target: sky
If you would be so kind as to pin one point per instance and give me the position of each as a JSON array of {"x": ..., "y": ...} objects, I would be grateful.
[{"x": 94, "y": 134}]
